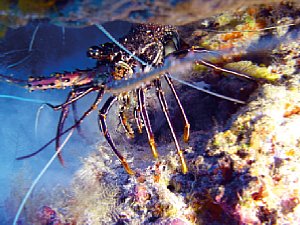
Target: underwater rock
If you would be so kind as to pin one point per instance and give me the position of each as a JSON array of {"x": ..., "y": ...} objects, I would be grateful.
[
  {"x": 253, "y": 167},
  {"x": 88, "y": 12},
  {"x": 244, "y": 170}
]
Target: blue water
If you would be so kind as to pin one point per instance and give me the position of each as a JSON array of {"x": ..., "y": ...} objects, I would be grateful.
[{"x": 53, "y": 50}]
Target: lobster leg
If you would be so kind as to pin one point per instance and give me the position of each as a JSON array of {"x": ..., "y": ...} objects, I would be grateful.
[
  {"x": 142, "y": 106},
  {"x": 125, "y": 124},
  {"x": 103, "y": 127},
  {"x": 75, "y": 125},
  {"x": 64, "y": 114},
  {"x": 137, "y": 117},
  {"x": 123, "y": 118},
  {"x": 62, "y": 118},
  {"x": 74, "y": 108},
  {"x": 186, "y": 133},
  {"x": 81, "y": 94},
  {"x": 162, "y": 100}
]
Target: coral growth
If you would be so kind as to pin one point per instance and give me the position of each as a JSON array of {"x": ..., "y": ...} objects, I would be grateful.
[
  {"x": 249, "y": 172},
  {"x": 252, "y": 169},
  {"x": 245, "y": 171}
]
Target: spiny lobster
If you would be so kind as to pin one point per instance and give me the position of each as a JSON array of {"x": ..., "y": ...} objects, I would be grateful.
[{"x": 147, "y": 46}]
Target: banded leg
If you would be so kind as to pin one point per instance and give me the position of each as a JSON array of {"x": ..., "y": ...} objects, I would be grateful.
[
  {"x": 71, "y": 99},
  {"x": 137, "y": 117},
  {"x": 62, "y": 118},
  {"x": 186, "y": 132},
  {"x": 142, "y": 106},
  {"x": 103, "y": 127},
  {"x": 125, "y": 124},
  {"x": 81, "y": 93},
  {"x": 74, "y": 108},
  {"x": 162, "y": 100},
  {"x": 75, "y": 125}
]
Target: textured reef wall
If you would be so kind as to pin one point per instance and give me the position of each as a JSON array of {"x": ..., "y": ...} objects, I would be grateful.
[
  {"x": 87, "y": 12},
  {"x": 244, "y": 160}
]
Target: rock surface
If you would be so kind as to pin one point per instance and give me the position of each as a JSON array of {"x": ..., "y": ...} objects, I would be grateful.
[
  {"x": 245, "y": 169},
  {"x": 88, "y": 12}
]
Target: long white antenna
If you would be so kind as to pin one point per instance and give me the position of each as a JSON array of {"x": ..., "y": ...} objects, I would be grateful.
[
  {"x": 38, "y": 113},
  {"x": 206, "y": 91},
  {"x": 37, "y": 179},
  {"x": 33, "y": 37},
  {"x": 100, "y": 27},
  {"x": 121, "y": 85}
]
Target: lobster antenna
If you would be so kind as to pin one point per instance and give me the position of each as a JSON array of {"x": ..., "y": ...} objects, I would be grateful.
[
  {"x": 33, "y": 37},
  {"x": 23, "y": 99},
  {"x": 119, "y": 86},
  {"x": 63, "y": 31},
  {"x": 19, "y": 62},
  {"x": 206, "y": 91},
  {"x": 37, "y": 179},
  {"x": 100, "y": 27},
  {"x": 13, "y": 52},
  {"x": 37, "y": 118},
  {"x": 177, "y": 79},
  {"x": 29, "y": 49}
]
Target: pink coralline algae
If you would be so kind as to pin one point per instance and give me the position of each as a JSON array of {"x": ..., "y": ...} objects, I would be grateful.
[
  {"x": 141, "y": 194},
  {"x": 47, "y": 215}
]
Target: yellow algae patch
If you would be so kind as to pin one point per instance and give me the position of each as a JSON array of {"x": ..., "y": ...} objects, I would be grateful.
[{"x": 255, "y": 71}]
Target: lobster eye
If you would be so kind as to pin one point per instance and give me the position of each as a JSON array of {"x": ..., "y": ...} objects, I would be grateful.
[
  {"x": 171, "y": 44},
  {"x": 94, "y": 52}
]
